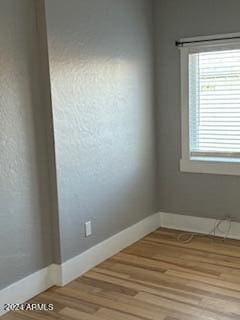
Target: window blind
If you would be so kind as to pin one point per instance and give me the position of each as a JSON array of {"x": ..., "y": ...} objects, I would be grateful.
[{"x": 214, "y": 103}]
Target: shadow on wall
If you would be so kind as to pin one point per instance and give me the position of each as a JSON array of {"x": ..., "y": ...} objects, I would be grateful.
[{"x": 24, "y": 213}]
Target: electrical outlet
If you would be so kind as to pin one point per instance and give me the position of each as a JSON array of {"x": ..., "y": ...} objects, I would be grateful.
[{"x": 88, "y": 228}]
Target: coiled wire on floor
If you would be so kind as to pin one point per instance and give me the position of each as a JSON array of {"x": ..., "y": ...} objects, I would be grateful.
[{"x": 186, "y": 237}]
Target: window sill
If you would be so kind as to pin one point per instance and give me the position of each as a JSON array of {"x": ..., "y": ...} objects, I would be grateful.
[{"x": 211, "y": 166}]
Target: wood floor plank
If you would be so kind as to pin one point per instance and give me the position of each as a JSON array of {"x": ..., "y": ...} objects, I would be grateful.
[
  {"x": 148, "y": 287},
  {"x": 186, "y": 308},
  {"x": 136, "y": 309},
  {"x": 108, "y": 314},
  {"x": 215, "y": 282},
  {"x": 157, "y": 263},
  {"x": 78, "y": 315},
  {"x": 157, "y": 278},
  {"x": 204, "y": 245}
]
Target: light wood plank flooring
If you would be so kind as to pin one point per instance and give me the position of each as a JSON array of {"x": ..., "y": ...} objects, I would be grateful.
[{"x": 156, "y": 278}]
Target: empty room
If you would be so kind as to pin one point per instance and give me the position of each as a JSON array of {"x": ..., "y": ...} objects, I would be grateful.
[{"x": 120, "y": 159}]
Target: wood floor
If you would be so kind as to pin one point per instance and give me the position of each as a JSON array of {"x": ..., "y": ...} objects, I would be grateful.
[{"x": 157, "y": 278}]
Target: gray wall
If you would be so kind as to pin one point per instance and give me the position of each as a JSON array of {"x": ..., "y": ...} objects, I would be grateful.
[
  {"x": 101, "y": 63},
  {"x": 188, "y": 193},
  {"x": 25, "y": 223},
  {"x": 101, "y": 70}
]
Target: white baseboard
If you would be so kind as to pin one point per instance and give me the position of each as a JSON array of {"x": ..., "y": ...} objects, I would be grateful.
[
  {"x": 60, "y": 275},
  {"x": 78, "y": 265},
  {"x": 195, "y": 224},
  {"x": 26, "y": 288}
]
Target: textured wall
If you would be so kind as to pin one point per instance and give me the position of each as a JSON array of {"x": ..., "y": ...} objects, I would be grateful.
[
  {"x": 101, "y": 70},
  {"x": 24, "y": 239},
  {"x": 194, "y": 194}
]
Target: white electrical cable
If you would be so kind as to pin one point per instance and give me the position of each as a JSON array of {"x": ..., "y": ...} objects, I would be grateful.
[{"x": 186, "y": 237}]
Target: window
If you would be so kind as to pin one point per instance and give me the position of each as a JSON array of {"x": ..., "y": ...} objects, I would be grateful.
[{"x": 210, "y": 81}]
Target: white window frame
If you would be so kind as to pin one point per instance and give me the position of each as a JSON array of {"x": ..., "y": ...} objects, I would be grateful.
[{"x": 205, "y": 163}]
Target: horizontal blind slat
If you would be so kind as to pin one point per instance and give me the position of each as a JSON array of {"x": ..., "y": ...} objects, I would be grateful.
[{"x": 214, "y": 83}]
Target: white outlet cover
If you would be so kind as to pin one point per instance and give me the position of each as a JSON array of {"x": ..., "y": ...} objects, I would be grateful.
[{"x": 88, "y": 228}]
